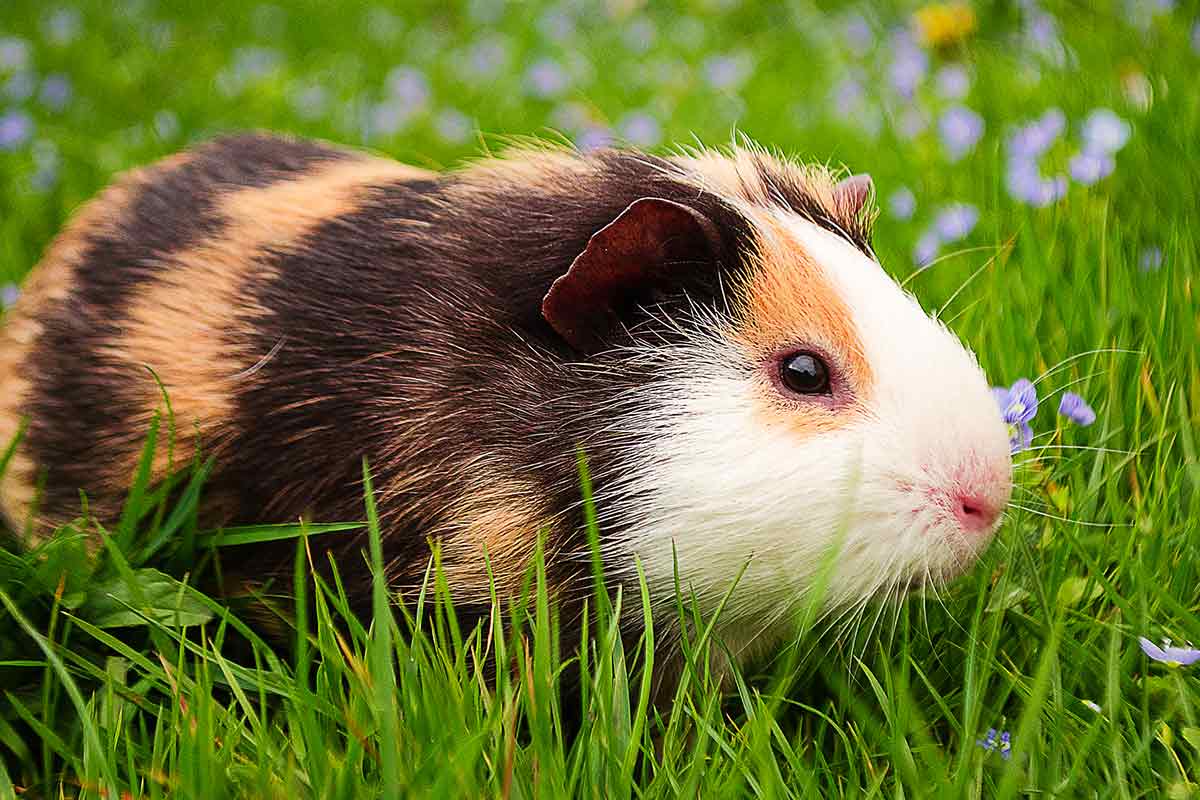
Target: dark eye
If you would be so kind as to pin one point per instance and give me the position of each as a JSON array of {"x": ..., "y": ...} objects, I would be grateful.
[{"x": 805, "y": 373}]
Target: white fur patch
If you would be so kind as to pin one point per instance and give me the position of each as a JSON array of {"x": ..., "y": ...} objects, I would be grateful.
[{"x": 716, "y": 488}]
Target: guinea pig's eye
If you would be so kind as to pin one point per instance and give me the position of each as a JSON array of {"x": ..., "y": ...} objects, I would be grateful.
[{"x": 805, "y": 373}]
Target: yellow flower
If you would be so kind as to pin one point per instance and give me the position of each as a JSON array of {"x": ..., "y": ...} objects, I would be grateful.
[{"x": 945, "y": 24}]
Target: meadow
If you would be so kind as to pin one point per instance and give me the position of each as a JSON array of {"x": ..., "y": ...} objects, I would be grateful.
[{"x": 1038, "y": 174}]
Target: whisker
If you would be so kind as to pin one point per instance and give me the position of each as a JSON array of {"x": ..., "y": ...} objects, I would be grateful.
[
  {"x": 945, "y": 257},
  {"x": 1068, "y": 519},
  {"x": 1077, "y": 356}
]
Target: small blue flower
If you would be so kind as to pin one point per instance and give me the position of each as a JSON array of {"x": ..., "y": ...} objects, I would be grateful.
[
  {"x": 16, "y": 128},
  {"x": 858, "y": 34},
  {"x": 1018, "y": 405},
  {"x": 594, "y": 138},
  {"x": 960, "y": 129},
  {"x": 991, "y": 742},
  {"x": 56, "y": 92},
  {"x": 727, "y": 73},
  {"x": 1105, "y": 132},
  {"x": 1151, "y": 259},
  {"x": 641, "y": 129},
  {"x": 63, "y": 26},
  {"x": 953, "y": 82},
  {"x": 956, "y": 221},
  {"x": 1089, "y": 166},
  {"x": 546, "y": 78},
  {"x": 902, "y": 203},
  {"x": 453, "y": 126},
  {"x": 926, "y": 248},
  {"x": 408, "y": 85},
  {"x": 1076, "y": 409},
  {"x": 1171, "y": 656},
  {"x": 14, "y": 54},
  {"x": 910, "y": 64},
  {"x": 9, "y": 293}
]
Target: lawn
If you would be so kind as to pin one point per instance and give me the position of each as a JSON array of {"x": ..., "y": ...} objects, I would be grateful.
[{"x": 1038, "y": 175}]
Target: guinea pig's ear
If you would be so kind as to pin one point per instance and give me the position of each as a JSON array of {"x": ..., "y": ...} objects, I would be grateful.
[
  {"x": 853, "y": 193},
  {"x": 649, "y": 245}
]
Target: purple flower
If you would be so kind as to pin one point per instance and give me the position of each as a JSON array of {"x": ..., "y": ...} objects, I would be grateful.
[
  {"x": 902, "y": 203},
  {"x": 991, "y": 743},
  {"x": 1076, "y": 409},
  {"x": 62, "y": 27},
  {"x": 9, "y": 293},
  {"x": 1105, "y": 132},
  {"x": 166, "y": 125},
  {"x": 1018, "y": 405},
  {"x": 546, "y": 78},
  {"x": 1171, "y": 656},
  {"x": 848, "y": 96},
  {"x": 20, "y": 86},
  {"x": 1196, "y": 37},
  {"x": 388, "y": 118},
  {"x": 14, "y": 54},
  {"x": 56, "y": 92},
  {"x": 556, "y": 24},
  {"x": 453, "y": 126},
  {"x": 1035, "y": 138},
  {"x": 956, "y": 221},
  {"x": 641, "y": 129},
  {"x": 639, "y": 35},
  {"x": 727, "y": 73},
  {"x": 1088, "y": 167},
  {"x": 310, "y": 101},
  {"x": 594, "y": 138},
  {"x": 858, "y": 34},
  {"x": 1026, "y": 183},
  {"x": 912, "y": 123},
  {"x": 1151, "y": 259},
  {"x": 408, "y": 86},
  {"x": 909, "y": 65},
  {"x": 959, "y": 128},
  {"x": 953, "y": 82},
  {"x": 16, "y": 128},
  {"x": 488, "y": 57},
  {"x": 926, "y": 249}
]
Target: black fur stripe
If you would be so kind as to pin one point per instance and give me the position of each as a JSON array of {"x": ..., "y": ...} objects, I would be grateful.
[{"x": 81, "y": 406}]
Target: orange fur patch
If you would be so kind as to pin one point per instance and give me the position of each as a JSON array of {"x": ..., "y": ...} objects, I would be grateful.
[
  {"x": 786, "y": 302},
  {"x": 501, "y": 518}
]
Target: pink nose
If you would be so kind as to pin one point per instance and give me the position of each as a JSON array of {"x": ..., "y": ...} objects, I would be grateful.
[{"x": 976, "y": 511}]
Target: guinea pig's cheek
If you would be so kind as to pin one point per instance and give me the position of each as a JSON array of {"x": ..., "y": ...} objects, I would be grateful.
[{"x": 800, "y": 418}]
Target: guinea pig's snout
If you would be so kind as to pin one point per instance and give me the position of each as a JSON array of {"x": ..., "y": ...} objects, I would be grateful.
[{"x": 976, "y": 494}]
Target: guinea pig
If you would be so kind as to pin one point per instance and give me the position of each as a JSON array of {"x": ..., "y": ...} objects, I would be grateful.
[{"x": 754, "y": 395}]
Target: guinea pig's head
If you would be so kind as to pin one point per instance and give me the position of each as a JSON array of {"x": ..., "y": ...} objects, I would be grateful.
[{"x": 803, "y": 418}]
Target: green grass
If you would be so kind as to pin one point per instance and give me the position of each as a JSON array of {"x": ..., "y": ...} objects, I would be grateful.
[{"x": 116, "y": 676}]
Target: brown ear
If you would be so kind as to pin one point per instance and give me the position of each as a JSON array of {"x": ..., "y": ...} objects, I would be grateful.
[
  {"x": 853, "y": 193},
  {"x": 649, "y": 245}
]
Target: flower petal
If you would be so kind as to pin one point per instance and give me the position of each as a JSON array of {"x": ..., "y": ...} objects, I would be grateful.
[
  {"x": 1024, "y": 403},
  {"x": 1076, "y": 409},
  {"x": 1152, "y": 650},
  {"x": 1020, "y": 437}
]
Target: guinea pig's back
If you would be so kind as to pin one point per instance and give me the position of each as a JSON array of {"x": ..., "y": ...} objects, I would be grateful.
[{"x": 161, "y": 279}]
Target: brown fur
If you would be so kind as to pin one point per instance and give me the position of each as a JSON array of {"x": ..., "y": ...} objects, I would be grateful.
[
  {"x": 328, "y": 307},
  {"x": 178, "y": 326},
  {"x": 47, "y": 284}
]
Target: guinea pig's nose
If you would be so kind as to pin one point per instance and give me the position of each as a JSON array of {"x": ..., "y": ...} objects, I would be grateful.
[
  {"x": 976, "y": 511},
  {"x": 978, "y": 494}
]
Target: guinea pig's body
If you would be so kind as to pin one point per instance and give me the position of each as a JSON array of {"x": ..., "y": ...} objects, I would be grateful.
[{"x": 747, "y": 384}]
